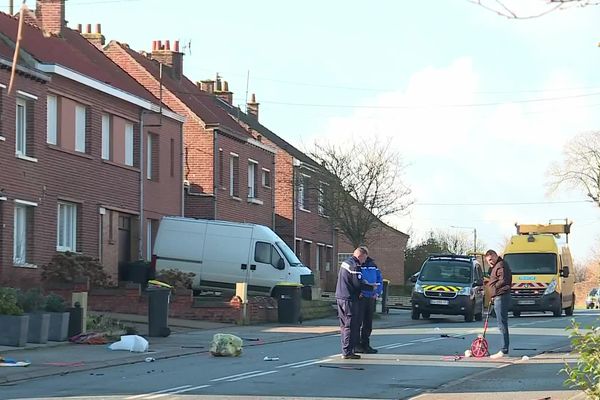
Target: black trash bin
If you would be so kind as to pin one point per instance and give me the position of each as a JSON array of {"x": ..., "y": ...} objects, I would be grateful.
[
  {"x": 384, "y": 297},
  {"x": 75, "y": 320},
  {"x": 288, "y": 303},
  {"x": 158, "y": 311}
]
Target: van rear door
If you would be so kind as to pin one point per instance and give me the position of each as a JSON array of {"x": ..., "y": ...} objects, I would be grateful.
[
  {"x": 180, "y": 245},
  {"x": 226, "y": 255}
]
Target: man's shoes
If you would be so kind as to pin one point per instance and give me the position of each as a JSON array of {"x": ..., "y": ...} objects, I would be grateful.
[
  {"x": 350, "y": 357},
  {"x": 499, "y": 354},
  {"x": 365, "y": 350}
]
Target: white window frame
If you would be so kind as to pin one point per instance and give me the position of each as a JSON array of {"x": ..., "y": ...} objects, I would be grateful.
[
  {"x": 106, "y": 145},
  {"x": 341, "y": 257},
  {"x": 302, "y": 191},
  {"x": 52, "y": 119},
  {"x": 264, "y": 182},
  {"x": 321, "y": 208},
  {"x": 65, "y": 228},
  {"x": 129, "y": 144},
  {"x": 80, "y": 134},
  {"x": 252, "y": 168},
  {"x": 149, "y": 156},
  {"x": 21, "y": 128},
  {"x": 232, "y": 156},
  {"x": 20, "y": 234}
]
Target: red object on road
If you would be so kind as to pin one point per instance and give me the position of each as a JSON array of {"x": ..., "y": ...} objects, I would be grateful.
[{"x": 479, "y": 347}]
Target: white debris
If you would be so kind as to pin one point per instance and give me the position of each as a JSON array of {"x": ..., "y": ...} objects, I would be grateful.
[
  {"x": 524, "y": 358},
  {"x": 133, "y": 343},
  {"x": 468, "y": 353}
]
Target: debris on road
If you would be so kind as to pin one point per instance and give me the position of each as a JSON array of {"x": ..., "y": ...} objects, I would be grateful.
[
  {"x": 10, "y": 362},
  {"x": 267, "y": 358},
  {"x": 226, "y": 345},
  {"x": 468, "y": 353},
  {"x": 192, "y": 347},
  {"x": 525, "y": 358},
  {"x": 150, "y": 359},
  {"x": 133, "y": 343},
  {"x": 89, "y": 338},
  {"x": 524, "y": 349},
  {"x": 445, "y": 335},
  {"x": 251, "y": 339},
  {"x": 342, "y": 367}
]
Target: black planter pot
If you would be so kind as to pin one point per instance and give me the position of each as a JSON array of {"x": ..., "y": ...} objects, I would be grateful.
[{"x": 14, "y": 330}]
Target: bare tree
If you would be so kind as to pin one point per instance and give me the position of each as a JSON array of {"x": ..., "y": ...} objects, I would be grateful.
[
  {"x": 503, "y": 9},
  {"x": 361, "y": 183},
  {"x": 458, "y": 242},
  {"x": 580, "y": 167}
]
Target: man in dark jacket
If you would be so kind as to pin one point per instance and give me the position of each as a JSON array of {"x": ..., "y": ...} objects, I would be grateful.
[
  {"x": 500, "y": 283},
  {"x": 366, "y": 304},
  {"x": 347, "y": 291}
]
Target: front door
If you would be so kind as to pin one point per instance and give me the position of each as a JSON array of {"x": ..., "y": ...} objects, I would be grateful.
[
  {"x": 124, "y": 241},
  {"x": 264, "y": 272}
]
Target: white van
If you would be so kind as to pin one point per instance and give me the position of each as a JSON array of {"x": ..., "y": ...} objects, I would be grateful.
[{"x": 223, "y": 253}]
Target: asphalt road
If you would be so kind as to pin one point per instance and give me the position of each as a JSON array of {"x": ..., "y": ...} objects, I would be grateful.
[{"x": 414, "y": 361}]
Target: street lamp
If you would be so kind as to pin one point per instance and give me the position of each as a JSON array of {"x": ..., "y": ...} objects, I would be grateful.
[{"x": 474, "y": 235}]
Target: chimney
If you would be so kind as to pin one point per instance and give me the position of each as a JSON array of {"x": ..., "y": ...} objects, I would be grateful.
[
  {"x": 207, "y": 85},
  {"x": 223, "y": 92},
  {"x": 97, "y": 38},
  {"x": 252, "y": 107},
  {"x": 50, "y": 15},
  {"x": 170, "y": 58}
]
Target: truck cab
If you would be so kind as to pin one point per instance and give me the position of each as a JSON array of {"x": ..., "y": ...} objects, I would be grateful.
[{"x": 543, "y": 278}]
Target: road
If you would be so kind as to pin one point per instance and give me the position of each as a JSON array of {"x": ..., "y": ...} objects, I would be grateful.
[{"x": 414, "y": 361}]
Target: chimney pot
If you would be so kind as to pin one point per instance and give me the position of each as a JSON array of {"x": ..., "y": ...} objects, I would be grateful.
[
  {"x": 154, "y": 45},
  {"x": 252, "y": 107},
  {"x": 176, "y": 46},
  {"x": 88, "y": 28},
  {"x": 159, "y": 44},
  {"x": 98, "y": 28},
  {"x": 79, "y": 28},
  {"x": 167, "y": 45},
  {"x": 253, "y": 98},
  {"x": 225, "y": 86}
]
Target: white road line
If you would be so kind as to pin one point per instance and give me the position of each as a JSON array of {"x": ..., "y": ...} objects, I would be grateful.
[
  {"x": 387, "y": 346},
  {"x": 252, "y": 376},
  {"x": 311, "y": 363},
  {"x": 160, "y": 391},
  {"x": 399, "y": 345},
  {"x": 296, "y": 363},
  {"x": 178, "y": 391},
  {"x": 234, "y": 376}
]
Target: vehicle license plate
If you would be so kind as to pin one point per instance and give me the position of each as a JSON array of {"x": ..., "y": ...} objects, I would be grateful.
[
  {"x": 439, "y": 302},
  {"x": 527, "y": 302}
]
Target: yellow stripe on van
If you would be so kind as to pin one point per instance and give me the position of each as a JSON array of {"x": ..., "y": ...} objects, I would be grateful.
[{"x": 441, "y": 288}]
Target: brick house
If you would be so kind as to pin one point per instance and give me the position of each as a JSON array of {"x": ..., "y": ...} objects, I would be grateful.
[
  {"x": 90, "y": 161},
  {"x": 228, "y": 174},
  {"x": 299, "y": 218}
]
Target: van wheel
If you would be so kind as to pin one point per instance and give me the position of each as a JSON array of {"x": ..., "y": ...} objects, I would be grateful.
[
  {"x": 426, "y": 315},
  {"x": 557, "y": 312},
  {"x": 517, "y": 314},
  {"x": 569, "y": 310},
  {"x": 415, "y": 314}
]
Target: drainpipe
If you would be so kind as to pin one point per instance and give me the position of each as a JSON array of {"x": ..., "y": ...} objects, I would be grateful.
[
  {"x": 141, "y": 228},
  {"x": 215, "y": 170},
  {"x": 273, "y": 166},
  {"x": 294, "y": 201},
  {"x": 182, "y": 168}
]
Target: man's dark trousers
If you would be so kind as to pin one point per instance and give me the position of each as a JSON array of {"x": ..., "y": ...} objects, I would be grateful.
[
  {"x": 501, "y": 306},
  {"x": 348, "y": 314},
  {"x": 366, "y": 311}
]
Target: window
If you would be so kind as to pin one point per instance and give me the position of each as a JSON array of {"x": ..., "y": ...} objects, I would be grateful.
[
  {"x": 266, "y": 178},
  {"x": 66, "y": 227},
  {"x": 106, "y": 139},
  {"x": 234, "y": 175},
  {"x": 221, "y": 166},
  {"x": 20, "y": 234},
  {"x": 21, "y": 127},
  {"x": 303, "y": 192},
  {"x": 252, "y": 192},
  {"x": 1, "y": 112},
  {"x": 266, "y": 253},
  {"x": 343, "y": 257},
  {"x": 80, "y": 125},
  {"x": 149, "y": 160},
  {"x": 152, "y": 157},
  {"x": 129, "y": 144},
  {"x": 52, "y": 120},
  {"x": 323, "y": 187}
]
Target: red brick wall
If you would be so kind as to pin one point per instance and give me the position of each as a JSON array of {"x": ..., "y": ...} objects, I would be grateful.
[
  {"x": 387, "y": 247},
  {"x": 83, "y": 179}
]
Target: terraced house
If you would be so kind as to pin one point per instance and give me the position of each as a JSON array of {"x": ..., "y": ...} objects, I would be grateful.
[
  {"x": 228, "y": 173},
  {"x": 90, "y": 160}
]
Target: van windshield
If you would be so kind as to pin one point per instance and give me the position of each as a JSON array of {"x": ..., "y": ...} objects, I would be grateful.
[
  {"x": 289, "y": 254},
  {"x": 531, "y": 263},
  {"x": 446, "y": 271}
]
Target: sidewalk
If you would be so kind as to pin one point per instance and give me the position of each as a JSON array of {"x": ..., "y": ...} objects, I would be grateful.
[{"x": 187, "y": 337}]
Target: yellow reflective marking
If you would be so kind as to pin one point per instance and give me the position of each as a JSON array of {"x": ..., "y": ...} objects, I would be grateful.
[{"x": 440, "y": 288}]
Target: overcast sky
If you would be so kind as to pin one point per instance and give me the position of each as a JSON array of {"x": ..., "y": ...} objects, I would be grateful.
[{"x": 478, "y": 104}]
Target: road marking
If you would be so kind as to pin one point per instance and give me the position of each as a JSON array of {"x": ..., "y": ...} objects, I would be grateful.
[
  {"x": 252, "y": 376},
  {"x": 312, "y": 363},
  {"x": 399, "y": 345},
  {"x": 296, "y": 363},
  {"x": 178, "y": 391},
  {"x": 234, "y": 376},
  {"x": 158, "y": 392}
]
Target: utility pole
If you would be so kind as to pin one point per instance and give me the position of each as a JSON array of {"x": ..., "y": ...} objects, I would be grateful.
[{"x": 474, "y": 235}]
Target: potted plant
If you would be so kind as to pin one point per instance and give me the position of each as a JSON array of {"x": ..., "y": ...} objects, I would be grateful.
[
  {"x": 59, "y": 318},
  {"x": 33, "y": 302},
  {"x": 14, "y": 324}
]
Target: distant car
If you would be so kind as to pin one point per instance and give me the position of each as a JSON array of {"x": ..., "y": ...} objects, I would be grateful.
[{"x": 593, "y": 299}]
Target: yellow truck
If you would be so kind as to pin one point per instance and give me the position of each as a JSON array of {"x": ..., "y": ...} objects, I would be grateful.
[{"x": 543, "y": 276}]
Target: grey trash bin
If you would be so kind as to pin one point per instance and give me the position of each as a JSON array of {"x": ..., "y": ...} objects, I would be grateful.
[{"x": 158, "y": 312}]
